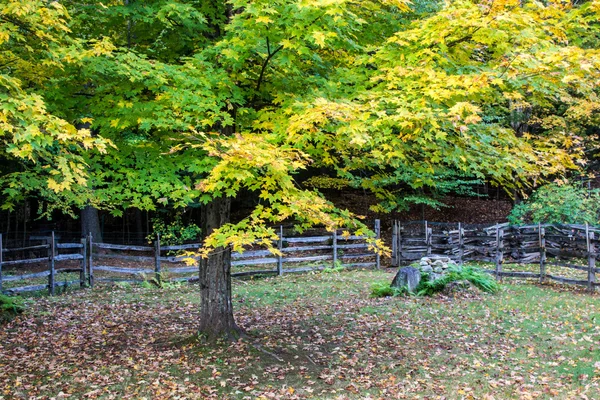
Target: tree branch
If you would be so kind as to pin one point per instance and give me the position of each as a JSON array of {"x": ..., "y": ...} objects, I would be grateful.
[{"x": 265, "y": 63}]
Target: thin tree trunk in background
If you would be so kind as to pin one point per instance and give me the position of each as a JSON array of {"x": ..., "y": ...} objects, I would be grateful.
[
  {"x": 90, "y": 223},
  {"x": 147, "y": 224},
  {"x": 139, "y": 226},
  {"x": 24, "y": 223},
  {"x": 216, "y": 309}
]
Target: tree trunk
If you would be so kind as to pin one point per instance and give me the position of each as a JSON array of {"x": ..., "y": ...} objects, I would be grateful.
[
  {"x": 139, "y": 226},
  {"x": 90, "y": 223},
  {"x": 216, "y": 309}
]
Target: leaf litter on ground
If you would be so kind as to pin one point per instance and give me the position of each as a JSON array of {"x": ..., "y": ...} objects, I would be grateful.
[{"x": 318, "y": 336}]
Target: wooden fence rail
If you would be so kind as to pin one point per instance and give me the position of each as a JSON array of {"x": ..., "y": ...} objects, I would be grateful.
[
  {"x": 567, "y": 246},
  {"x": 51, "y": 259},
  {"x": 501, "y": 243},
  {"x": 108, "y": 262}
]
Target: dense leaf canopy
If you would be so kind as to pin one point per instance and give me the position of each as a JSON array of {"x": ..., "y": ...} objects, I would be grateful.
[{"x": 137, "y": 104}]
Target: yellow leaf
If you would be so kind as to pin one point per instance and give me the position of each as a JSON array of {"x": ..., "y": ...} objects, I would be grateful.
[
  {"x": 264, "y": 19},
  {"x": 319, "y": 38}
]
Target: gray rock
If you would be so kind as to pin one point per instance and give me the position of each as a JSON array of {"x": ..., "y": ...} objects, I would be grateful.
[
  {"x": 423, "y": 263},
  {"x": 438, "y": 263},
  {"x": 438, "y": 270},
  {"x": 408, "y": 277},
  {"x": 433, "y": 276},
  {"x": 459, "y": 287},
  {"x": 426, "y": 269}
]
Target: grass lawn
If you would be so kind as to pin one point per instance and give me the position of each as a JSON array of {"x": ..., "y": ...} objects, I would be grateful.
[{"x": 314, "y": 336}]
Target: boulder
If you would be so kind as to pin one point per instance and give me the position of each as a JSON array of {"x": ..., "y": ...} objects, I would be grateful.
[
  {"x": 456, "y": 287},
  {"x": 408, "y": 277},
  {"x": 433, "y": 276},
  {"x": 426, "y": 269}
]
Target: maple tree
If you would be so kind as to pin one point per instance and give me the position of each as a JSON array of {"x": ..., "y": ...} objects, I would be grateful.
[
  {"x": 203, "y": 101},
  {"x": 34, "y": 48}
]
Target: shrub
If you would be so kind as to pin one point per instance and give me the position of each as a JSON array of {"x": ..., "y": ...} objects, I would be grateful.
[
  {"x": 554, "y": 203},
  {"x": 10, "y": 307},
  {"x": 338, "y": 267},
  {"x": 383, "y": 289},
  {"x": 175, "y": 232},
  {"x": 479, "y": 278}
]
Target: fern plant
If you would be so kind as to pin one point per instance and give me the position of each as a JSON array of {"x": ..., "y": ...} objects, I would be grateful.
[
  {"x": 480, "y": 279},
  {"x": 383, "y": 289},
  {"x": 10, "y": 307}
]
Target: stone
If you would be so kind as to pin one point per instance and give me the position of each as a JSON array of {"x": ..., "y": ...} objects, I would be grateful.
[
  {"x": 433, "y": 276},
  {"x": 426, "y": 269},
  {"x": 438, "y": 270},
  {"x": 408, "y": 277},
  {"x": 460, "y": 287},
  {"x": 438, "y": 263},
  {"x": 423, "y": 263}
]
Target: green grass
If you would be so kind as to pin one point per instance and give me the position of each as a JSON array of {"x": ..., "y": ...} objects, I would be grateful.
[{"x": 317, "y": 336}]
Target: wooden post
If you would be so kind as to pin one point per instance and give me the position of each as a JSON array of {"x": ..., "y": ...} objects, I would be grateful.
[
  {"x": 157, "y": 259},
  {"x": 378, "y": 233},
  {"x": 499, "y": 255},
  {"x": 90, "y": 259},
  {"x": 82, "y": 274},
  {"x": 591, "y": 280},
  {"x": 1, "y": 249},
  {"x": 52, "y": 276},
  {"x": 280, "y": 248},
  {"x": 334, "y": 246},
  {"x": 542, "y": 233},
  {"x": 394, "y": 243},
  {"x": 461, "y": 244},
  {"x": 428, "y": 239},
  {"x": 399, "y": 244}
]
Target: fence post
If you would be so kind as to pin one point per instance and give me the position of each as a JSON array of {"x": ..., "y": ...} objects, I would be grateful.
[
  {"x": 429, "y": 240},
  {"x": 157, "y": 259},
  {"x": 591, "y": 280},
  {"x": 83, "y": 262},
  {"x": 399, "y": 244},
  {"x": 334, "y": 246},
  {"x": 51, "y": 277},
  {"x": 394, "y": 243},
  {"x": 499, "y": 255},
  {"x": 461, "y": 244},
  {"x": 426, "y": 238},
  {"x": 280, "y": 248},
  {"x": 90, "y": 259},
  {"x": 378, "y": 233},
  {"x": 1, "y": 250},
  {"x": 542, "y": 232}
]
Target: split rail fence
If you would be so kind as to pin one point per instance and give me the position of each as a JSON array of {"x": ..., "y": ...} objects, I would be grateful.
[
  {"x": 92, "y": 262},
  {"x": 574, "y": 247}
]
